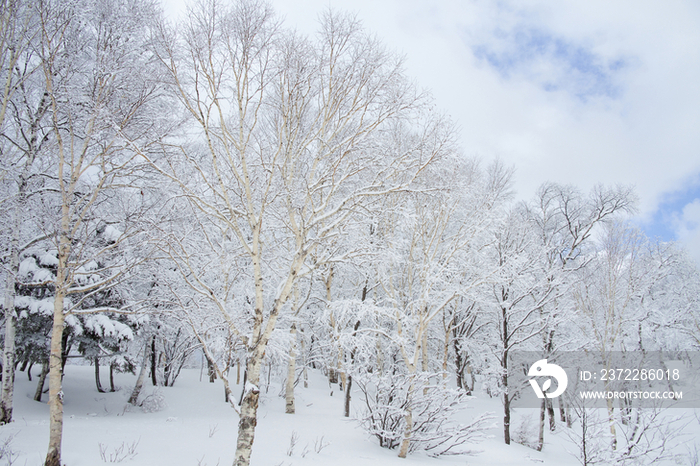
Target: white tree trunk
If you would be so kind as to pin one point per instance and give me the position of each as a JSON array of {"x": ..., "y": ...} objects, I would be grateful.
[
  {"x": 261, "y": 335},
  {"x": 8, "y": 366},
  {"x": 446, "y": 351},
  {"x": 291, "y": 373},
  {"x": 408, "y": 431},
  {"x": 133, "y": 399},
  {"x": 10, "y": 53},
  {"x": 406, "y": 442},
  {"x": 380, "y": 358},
  {"x": 53, "y": 455},
  {"x": 249, "y": 412}
]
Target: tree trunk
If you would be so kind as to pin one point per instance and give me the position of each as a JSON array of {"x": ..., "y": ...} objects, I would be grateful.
[
  {"x": 540, "y": 435},
  {"x": 154, "y": 363},
  {"x": 8, "y": 367},
  {"x": 142, "y": 375},
  {"x": 332, "y": 371},
  {"x": 211, "y": 371},
  {"x": 42, "y": 381},
  {"x": 562, "y": 409},
  {"x": 341, "y": 371},
  {"x": 56, "y": 355},
  {"x": 166, "y": 373},
  {"x": 459, "y": 364},
  {"x": 550, "y": 412},
  {"x": 111, "y": 377},
  {"x": 291, "y": 373},
  {"x": 348, "y": 396},
  {"x": 445, "y": 354},
  {"x": 470, "y": 385},
  {"x": 584, "y": 435},
  {"x": 505, "y": 341},
  {"x": 8, "y": 364},
  {"x": 269, "y": 374},
  {"x": 506, "y": 418},
  {"x": 256, "y": 353},
  {"x": 66, "y": 343},
  {"x": 611, "y": 421},
  {"x": 245, "y": 381},
  {"x": 201, "y": 368},
  {"x": 97, "y": 375},
  {"x": 423, "y": 329},
  {"x": 348, "y": 389},
  {"x": 304, "y": 361},
  {"x": 53, "y": 456},
  {"x": 249, "y": 411},
  {"x": 424, "y": 350},
  {"x": 406, "y": 442},
  {"x": 506, "y": 401}
]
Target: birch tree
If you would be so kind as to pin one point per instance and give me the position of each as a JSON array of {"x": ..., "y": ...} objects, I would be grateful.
[
  {"x": 99, "y": 89},
  {"x": 295, "y": 140},
  {"x": 23, "y": 131},
  {"x": 17, "y": 30}
]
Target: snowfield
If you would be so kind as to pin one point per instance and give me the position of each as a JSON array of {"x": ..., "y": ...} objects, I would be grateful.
[{"x": 196, "y": 428}]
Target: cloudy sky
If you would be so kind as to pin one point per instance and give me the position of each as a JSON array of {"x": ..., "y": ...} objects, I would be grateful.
[{"x": 574, "y": 92}]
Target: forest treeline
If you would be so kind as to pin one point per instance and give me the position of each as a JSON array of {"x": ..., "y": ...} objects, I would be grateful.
[{"x": 227, "y": 188}]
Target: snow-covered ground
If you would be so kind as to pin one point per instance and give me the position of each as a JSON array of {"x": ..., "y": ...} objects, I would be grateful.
[{"x": 198, "y": 428}]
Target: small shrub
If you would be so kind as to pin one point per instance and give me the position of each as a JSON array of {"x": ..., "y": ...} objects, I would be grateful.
[
  {"x": 319, "y": 444},
  {"x": 292, "y": 443},
  {"x": 154, "y": 402},
  {"x": 6, "y": 451},
  {"x": 389, "y": 398},
  {"x": 525, "y": 432},
  {"x": 118, "y": 454}
]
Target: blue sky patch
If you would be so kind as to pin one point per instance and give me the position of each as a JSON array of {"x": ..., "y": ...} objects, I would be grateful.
[{"x": 666, "y": 221}]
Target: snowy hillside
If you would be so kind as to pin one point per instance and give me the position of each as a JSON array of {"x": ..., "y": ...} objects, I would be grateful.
[{"x": 198, "y": 428}]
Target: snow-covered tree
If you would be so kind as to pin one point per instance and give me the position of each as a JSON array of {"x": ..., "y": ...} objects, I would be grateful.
[
  {"x": 295, "y": 137},
  {"x": 432, "y": 242},
  {"x": 513, "y": 300},
  {"x": 565, "y": 222},
  {"x": 23, "y": 132},
  {"x": 103, "y": 101}
]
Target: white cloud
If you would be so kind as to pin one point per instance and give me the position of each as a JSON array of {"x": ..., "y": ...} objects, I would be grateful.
[{"x": 642, "y": 132}]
